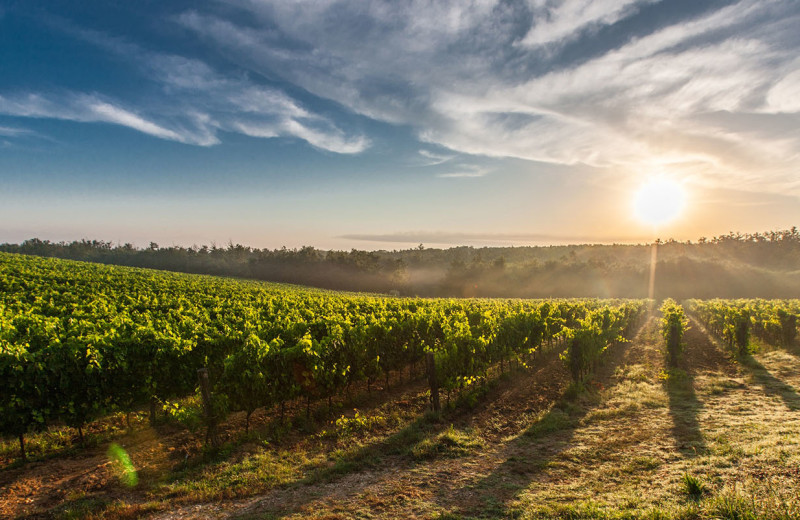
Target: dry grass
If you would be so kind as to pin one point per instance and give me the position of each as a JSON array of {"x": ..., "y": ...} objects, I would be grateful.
[{"x": 717, "y": 437}]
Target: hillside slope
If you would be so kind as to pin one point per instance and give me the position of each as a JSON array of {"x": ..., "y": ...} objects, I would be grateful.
[{"x": 526, "y": 449}]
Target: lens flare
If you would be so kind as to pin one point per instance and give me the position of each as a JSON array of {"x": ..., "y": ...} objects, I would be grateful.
[{"x": 122, "y": 463}]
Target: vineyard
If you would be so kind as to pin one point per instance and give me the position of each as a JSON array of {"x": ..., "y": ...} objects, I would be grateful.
[
  {"x": 81, "y": 342},
  {"x": 772, "y": 321}
]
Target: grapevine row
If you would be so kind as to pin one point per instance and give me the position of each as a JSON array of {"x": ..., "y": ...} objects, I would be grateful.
[
  {"x": 773, "y": 321},
  {"x": 78, "y": 341}
]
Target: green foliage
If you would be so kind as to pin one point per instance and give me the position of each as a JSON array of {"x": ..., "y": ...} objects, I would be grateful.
[
  {"x": 81, "y": 340},
  {"x": 358, "y": 424},
  {"x": 187, "y": 414},
  {"x": 693, "y": 486},
  {"x": 773, "y": 321},
  {"x": 593, "y": 329},
  {"x": 674, "y": 324}
]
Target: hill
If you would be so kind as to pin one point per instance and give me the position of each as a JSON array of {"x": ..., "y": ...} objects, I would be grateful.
[
  {"x": 759, "y": 265},
  {"x": 627, "y": 448}
]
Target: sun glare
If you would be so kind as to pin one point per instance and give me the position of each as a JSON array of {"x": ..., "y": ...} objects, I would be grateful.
[{"x": 659, "y": 201}]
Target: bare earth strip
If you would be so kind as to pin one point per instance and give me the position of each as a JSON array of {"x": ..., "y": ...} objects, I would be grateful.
[
  {"x": 622, "y": 448},
  {"x": 526, "y": 449}
]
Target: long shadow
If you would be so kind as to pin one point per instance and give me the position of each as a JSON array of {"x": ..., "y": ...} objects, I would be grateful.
[
  {"x": 395, "y": 451},
  {"x": 530, "y": 454},
  {"x": 684, "y": 406},
  {"x": 792, "y": 348},
  {"x": 527, "y": 457},
  {"x": 771, "y": 385}
]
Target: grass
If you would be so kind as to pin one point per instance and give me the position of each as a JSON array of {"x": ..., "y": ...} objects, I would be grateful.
[
  {"x": 754, "y": 501},
  {"x": 708, "y": 440},
  {"x": 694, "y": 487},
  {"x": 559, "y": 417},
  {"x": 59, "y": 441},
  {"x": 728, "y": 426},
  {"x": 449, "y": 443},
  {"x": 343, "y": 445},
  {"x": 256, "y": 472}
]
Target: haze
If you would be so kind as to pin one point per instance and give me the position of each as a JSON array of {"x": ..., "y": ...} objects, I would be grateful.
[{"x": 382, "y": 125}]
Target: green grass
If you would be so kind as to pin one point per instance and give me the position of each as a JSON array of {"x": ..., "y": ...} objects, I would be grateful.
[
  {"x": 694, "y": 487},
  {"x": 638, "y": 443},
  {"x": 449, "y": 443}
]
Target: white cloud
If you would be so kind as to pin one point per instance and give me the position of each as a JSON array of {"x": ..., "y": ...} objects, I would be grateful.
[
  {"x": 102, "y": 111},
  {"x": 564, "y": 20},
  {"x": 469, "y": 171},
  {"x": 784, "y": 96},
  {"x": 435, "y": 159},
  {"x": 7, "y": 131},
  {"x": 482, "y": 77},
  {"x": 88, "y": 109},
  {"x": 327, "y": 140},
  {"x": 471, "y": 77},
  {"x": 239, "y": 105},
  {"x": 195, "y": 102}
]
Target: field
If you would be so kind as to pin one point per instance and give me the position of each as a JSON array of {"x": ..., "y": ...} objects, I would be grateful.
[{"x": 526, "y": 432}]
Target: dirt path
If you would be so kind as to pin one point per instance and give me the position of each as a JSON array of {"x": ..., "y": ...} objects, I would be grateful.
[
  {"x": 524, "y": 449},
  {"x": 406, "y": 488},
  {"x": 713, "y": 417},
  {"x": 403, "y": 486},
  {"x": 41, "y": 485}
]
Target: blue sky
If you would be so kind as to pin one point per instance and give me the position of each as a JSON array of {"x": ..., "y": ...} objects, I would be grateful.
[{"x": 373, "y": 124}]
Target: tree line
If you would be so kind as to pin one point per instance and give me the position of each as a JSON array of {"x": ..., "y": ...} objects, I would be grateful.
[{"x": 735, "y": 265}]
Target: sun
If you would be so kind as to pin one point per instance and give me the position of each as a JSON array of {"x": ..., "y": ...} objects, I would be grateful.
[{"x": 659, "y": 201}]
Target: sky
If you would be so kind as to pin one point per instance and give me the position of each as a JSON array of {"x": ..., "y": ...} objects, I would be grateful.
[{"x": 386, "y": 124}]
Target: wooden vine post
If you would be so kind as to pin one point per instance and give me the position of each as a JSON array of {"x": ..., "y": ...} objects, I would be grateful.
[
  {"x": 22, "y": 447},
  {"x": 208, "y": 409},
  {"x": 434, "y": 383}
]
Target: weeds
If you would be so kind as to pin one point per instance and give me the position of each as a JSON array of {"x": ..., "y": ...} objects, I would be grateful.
[
  {"x": 450, "y": 443},
  {"x": 693, "y": 486}
]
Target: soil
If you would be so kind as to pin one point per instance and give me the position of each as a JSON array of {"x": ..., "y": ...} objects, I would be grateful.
[{"x": 586, "y": 457}]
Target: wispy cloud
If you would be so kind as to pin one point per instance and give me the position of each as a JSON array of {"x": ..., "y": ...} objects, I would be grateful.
[
  {"x": 466, "y": 171},
  {"x": 560, "y": 22},
  {"x": 88, "y": 109},
  {"x": 500, "y": 79},
  {"x": 193, "y": 105},
  {"x": 621, "y": 84},
  {"x": 14, "y": 132},
  {"x": 435, "y": 159}
]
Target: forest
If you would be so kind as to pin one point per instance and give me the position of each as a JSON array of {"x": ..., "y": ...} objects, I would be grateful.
[{"x": 736, "y": 265}]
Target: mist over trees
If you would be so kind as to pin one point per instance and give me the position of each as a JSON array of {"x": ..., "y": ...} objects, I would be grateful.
[{"x": 735, "y": 265}]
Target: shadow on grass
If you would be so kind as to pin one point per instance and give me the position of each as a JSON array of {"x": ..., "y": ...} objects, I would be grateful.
[
  {"x": 761, "y": 375},
  {"x": 544, "y": 444},
  {"x": 370, "y": 456},
  {"x": 428, "y": 438},
  {"x": 529, "y": 454},
  {"x": 770, "y": 384},
  {"x": 703, "y": 353},
  {"x": 792, "y": 348},
  {"x": 684, "y": 407},
  {"x": 292, "y": 434}
]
